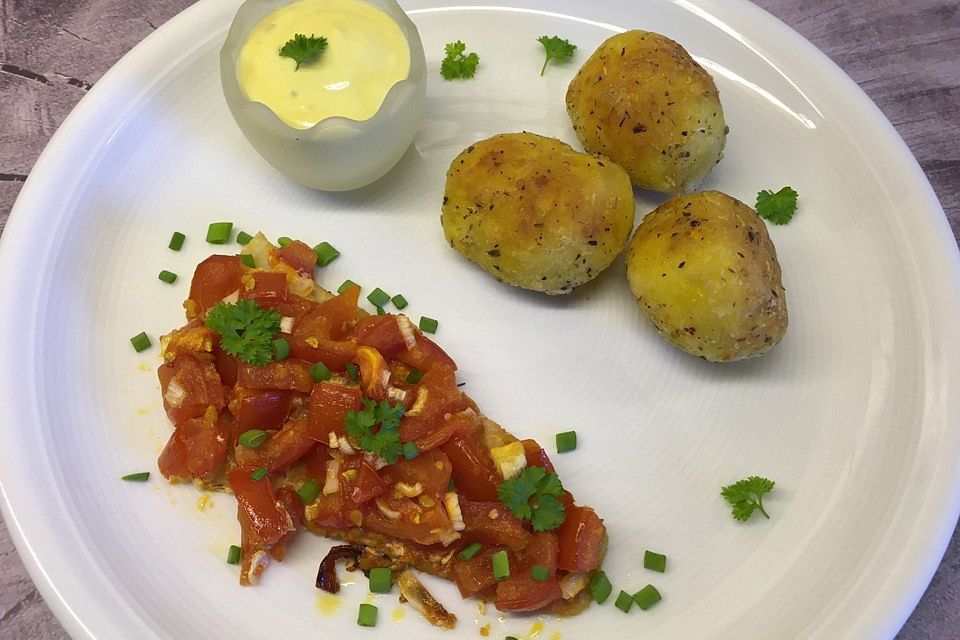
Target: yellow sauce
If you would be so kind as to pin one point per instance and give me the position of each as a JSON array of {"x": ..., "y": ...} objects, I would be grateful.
[
  {"x": 399, "y": 614},
  {"x": 366, "y": 54},
  {"x": 327, "y": 604}
]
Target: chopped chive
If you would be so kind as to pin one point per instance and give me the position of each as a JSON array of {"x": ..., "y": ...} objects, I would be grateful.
[
  {"x": 281, "y": 349},
  {"x": 247, "y": 259},
  {"x": 600, "y": 587},
  {"x": 378, "y": 297},
  {"x": 654, "y": 561},
  {"x": 259, "y": 473},
  {"x": 176, "y": 241},
  {"x": 140, "y": 342},
  {"x": 319, "y": 372},
  {"x": 233, "y": 554},
  {"x": 143, "y": 476},
  {"x": 624, "y": 602},
  {"x": 219, "y": 232},
  {"x": 399, "y": 301},
  {"x": 309, "y": 491},
  {"x": 367, "y": 616},
  {"x": 566, "y": 441},
  {"x": 243, "y": 237},
  {"x": 168, "y": 276},
  {"x": 326, "y": 253},
  {"x": 469, "y": 551},
  {"x": 252, "y": 439},
  {"x": 540, "y": 573},
  {"x": 501, "y": 565},
  {"x": 410, "y": 450},
  {"x": 284, "y": 241},
  {"x": 428, "y": 325},
  {"x": 510, "y": 638},
  {"x": 647, "y": 597},
  {"x": 381, "y": 311},
  {"x": 352, "y": 372},
  {"x": 347, "y": 284},
  {"x": 450, "y": 485},
  {"x": 414, "y": 376},
  {"x": 380, "y": 580}
]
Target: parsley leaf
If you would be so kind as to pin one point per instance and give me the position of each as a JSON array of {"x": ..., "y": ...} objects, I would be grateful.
[
  {"x": 300, "y": 48},
  {"x": 556, "y": 48},
  {"x": 746, "y": 496},
  {"x": 247, "y": 330},
  {"x": 534, "y": 495},
  {"x": 458, "y": 64},
  {"x": 386, "y": 441},
  {"x": 777, "y": 207}
]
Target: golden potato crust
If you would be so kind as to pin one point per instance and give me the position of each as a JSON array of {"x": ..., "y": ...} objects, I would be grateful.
[
  {"x": 535, "y": 213},
  {"x": 643, "y": 102},
  {"x": 705, "y": 271}
]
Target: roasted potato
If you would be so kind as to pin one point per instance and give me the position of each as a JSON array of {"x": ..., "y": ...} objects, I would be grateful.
[
  {"x": 705, "y": 271},
  {"x": 643, "y": 102},
  {"x": 535, "y": 213}
]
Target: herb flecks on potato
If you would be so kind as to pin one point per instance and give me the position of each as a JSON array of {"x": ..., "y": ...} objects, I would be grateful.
[
  {"x": 705, "y": 271},
  {"x": 535, "y": 213},
  {"x": 643, "y": 102}
]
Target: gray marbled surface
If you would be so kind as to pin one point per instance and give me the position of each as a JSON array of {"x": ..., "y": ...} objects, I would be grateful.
[{"x": 905, "y": 55}]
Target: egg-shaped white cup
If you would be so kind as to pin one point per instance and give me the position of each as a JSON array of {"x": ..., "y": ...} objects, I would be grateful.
[{"x": 337, "y": 153}]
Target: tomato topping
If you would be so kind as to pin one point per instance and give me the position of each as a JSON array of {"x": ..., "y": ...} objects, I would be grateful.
[
  {"x": 457, "y": 423},
  {"x": 581, "y": 539},
  {"x": 319, "y": 336},
  {"x": 294, "y": 506},
  {"x": 332, "y": 511},
  {"x": 269, "y": 289},
  {"x": 476, "y": 574},
  {"x": 334, "y": 354},
  {"x": 196, "y": 449},
  {"x": 492, "y": 524},
  {"x": 289, "y": 375},
  {"x": 367, "y": 485},
  {"x": 520, "y": 592},
  {"x": 536, "y": 456},
  {"x": 226, "y": 365},
  {"x": 214, "y": 279},
  {"x": 426, "y": 355},
  {"x": 257, "y": 501},
  {"x": 329, "y": 405},
  {"x": 374, "y": 372},
  {"x": 431, "y": 469},
  {"x": 267, "y": 410},
  {"x": 443, "y": 397},
  {"x": 299, "y": 256},
  {"x": 282, "y": 448},
  {"x": 474, "y": 474},
  {"x": 381, "y": 333},
  {"x": 189, "y": 386},
  {"x": 423, "y": 525}
]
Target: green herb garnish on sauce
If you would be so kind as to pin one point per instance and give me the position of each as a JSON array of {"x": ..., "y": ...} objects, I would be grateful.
[{"x": 301, "y": 48}]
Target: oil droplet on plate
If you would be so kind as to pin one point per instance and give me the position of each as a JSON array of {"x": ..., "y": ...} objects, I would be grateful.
[
  {"x": 204, "y": 502},
  {"x": 398, "y": 614},
  {"x": 555, "y": 635},
  {"x": 327, "y": 604},
  {"x": 535, "y": 629},
  {"x": 143, "y": 367},
  {"x": 485, "y": 630}
]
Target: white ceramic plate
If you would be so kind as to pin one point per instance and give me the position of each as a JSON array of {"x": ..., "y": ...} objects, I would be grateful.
[{"x": 854, "y": 414}]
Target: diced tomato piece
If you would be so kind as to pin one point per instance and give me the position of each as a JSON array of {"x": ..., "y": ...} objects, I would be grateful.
[
  {"x": 426, "y": 355},
  {"x": 374, "y": 372},
  {"x": 581, "y": 539},
  {"x": 258, "y": 502},
  {"x": 269, "y": 289},
  {"x": 332, "y": 511},
  {"x": 296, "y": 307},
  {"x": 431, "y": 469},
  {"x": 340, "y": 312},
  {"x": 536, "y": 456},
  {"x": 457, "y": 423},
  {"x": 214, "y": 279},
  {"x": 381, "y": 333},
  {"x": 299, "y": 256},
  {"x": 289, "y": 375},
  {"x": 332, "y": 353},
  {"x": 520, "y": 592},
  {"x": 294, "y": 506},
  {"x": 502, "y": 530},
  {"x": 189, "y": 386},
  {"x": 366, "y": 486},
  {"x": 251, "y": 566},
  {"x": 443, "y": 397},
  {"x": 474, "y": 474},
  {"x": 329, "y": 405},
  {"x": 267, "y": 410},
  {"x": 196, "y": 448},
  {"x": 226, "y": 365},
  {"x": 282, "y": 448},
  {"x": 193, "y": 339},
  {"x": 416, "y": 523},
  {"x": 476, "y": 574}
]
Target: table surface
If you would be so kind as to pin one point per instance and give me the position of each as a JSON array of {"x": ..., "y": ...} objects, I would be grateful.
[{"x": 904, "y": 55}]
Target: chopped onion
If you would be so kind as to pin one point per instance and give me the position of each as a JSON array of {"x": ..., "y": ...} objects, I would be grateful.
[
  {"x": 452, "y": 502},
  {"x": 344, "y": 446},
  {"x": 175, "y": 394},
  {"x": 387, "y": 511},
  {"x": 286, "y": 324},
  {"x": 332, "y": 440},
  {"x": 572, "y": 584},
  {"x": 406, "y": 330},
  {"x": 420, "y": 403},
  {"x": 397, "y": 395},
  {"x": 375, "y": 461},
  {"x": 332, "y": 484},
  {"x": 408, "y": 490},
  {"x": 232, "y": 298}
]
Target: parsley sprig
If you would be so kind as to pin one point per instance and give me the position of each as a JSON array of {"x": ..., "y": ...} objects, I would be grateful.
[
  {"x": 534, "y": 495},
  {"x": 301, "y": 48},
  {"x": 247, "y": 330},
  {"x": 556, "y": 48},
  {"x": 746, "y": 496},
  {"x": 458, "y": 63},
  {"x": 777, "y": 207},
  {"x": 386, "y": 441}
]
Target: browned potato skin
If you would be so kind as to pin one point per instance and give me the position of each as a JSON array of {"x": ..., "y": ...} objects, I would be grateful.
[
  {"x": 535, "y": 213},
  {"x": 643, "y": 102},
  {"x": 705, "y": 271}
]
